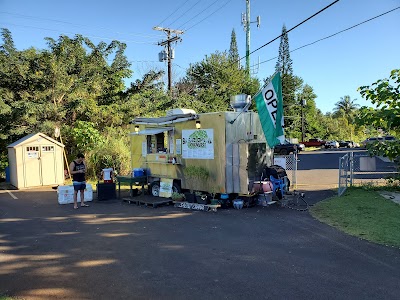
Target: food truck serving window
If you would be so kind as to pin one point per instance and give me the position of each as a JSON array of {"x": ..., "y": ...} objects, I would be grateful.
[{"x": 156, "y": 139}]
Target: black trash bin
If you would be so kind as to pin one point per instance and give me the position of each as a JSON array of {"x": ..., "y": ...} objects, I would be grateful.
[{"x": 106, "y": 191}]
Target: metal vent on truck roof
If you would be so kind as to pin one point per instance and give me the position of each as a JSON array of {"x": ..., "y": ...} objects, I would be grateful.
[{"x": 240, "y": 102}]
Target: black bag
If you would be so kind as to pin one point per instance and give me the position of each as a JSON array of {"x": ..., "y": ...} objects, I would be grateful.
[{"x": 277, "y": 172}]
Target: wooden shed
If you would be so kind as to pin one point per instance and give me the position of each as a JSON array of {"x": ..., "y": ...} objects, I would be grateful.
[{"x": 36, "y": 160}]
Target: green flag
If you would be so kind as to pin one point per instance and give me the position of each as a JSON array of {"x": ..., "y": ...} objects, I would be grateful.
[{"x": 270, "y": 109}]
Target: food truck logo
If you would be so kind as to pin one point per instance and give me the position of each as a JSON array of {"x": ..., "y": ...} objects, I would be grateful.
[{"x": 198, "y": 139}]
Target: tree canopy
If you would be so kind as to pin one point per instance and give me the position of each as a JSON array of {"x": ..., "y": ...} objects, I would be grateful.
[
  {"x": 80, "y": 87},
  {"x": 385, "y": 94}
]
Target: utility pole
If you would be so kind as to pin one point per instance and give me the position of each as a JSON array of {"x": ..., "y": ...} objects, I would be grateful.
[
  {"x": 303, "y": 103},
  {"x": 246, "y": 26},
  {"x": 168, "y": 53}
]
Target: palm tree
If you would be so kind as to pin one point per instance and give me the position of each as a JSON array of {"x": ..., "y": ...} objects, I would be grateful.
[{"x": 346, "y": 107}]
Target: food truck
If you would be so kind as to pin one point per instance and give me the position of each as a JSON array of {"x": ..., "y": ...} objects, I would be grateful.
[{"x": 229, "y": 147}]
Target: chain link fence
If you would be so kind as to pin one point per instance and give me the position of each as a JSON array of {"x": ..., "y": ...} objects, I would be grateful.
[
  {"x": 374, "y": 170},
  {"x": 289, "y": 163},
  {"x": 345, "y": 169},
  {"x": 360, "y": 169}
]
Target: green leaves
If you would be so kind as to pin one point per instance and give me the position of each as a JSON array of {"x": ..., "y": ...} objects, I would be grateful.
[
  {"x": 86, "y": 136},
  {"x": 385, "y": 93},
  {"x": 389, "y": 149},
  {"x": 212, "y": 81}
]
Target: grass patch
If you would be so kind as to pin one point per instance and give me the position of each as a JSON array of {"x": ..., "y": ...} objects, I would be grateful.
[
  {"x": 312, "y": 148},
  {"x": 4, "y": 297},
  {"x": 362, "y": 213}
]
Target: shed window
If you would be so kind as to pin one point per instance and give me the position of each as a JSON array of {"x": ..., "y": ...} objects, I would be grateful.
[
  {"x": 32, "y": 148},
  {"x": 47, "y": 148}
]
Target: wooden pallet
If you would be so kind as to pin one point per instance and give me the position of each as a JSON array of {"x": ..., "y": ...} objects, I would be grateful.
[
  {"x": 154, "y": 203},
  {"x": 196, "y": 206}
]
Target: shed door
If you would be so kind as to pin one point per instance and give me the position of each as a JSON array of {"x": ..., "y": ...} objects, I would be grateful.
[
  {"x": 40, "y": 166},
  {"x": 32, "y": 166},
  {"x": 48, "y": 165}
]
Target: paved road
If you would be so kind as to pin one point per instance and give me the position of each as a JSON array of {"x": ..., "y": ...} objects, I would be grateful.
[
  {"x": 319, "y": 170},
  {"x": 114, "y": 250}
]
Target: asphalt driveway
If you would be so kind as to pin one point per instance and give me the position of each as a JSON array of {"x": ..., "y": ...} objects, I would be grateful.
[{"x": 115, "y": 250}]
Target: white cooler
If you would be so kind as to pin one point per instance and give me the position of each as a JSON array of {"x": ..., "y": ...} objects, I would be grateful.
[{"x": 66, "y": 194}]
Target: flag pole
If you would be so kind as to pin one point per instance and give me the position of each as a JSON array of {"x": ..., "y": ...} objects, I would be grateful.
[{"x": 268, "y": 82}]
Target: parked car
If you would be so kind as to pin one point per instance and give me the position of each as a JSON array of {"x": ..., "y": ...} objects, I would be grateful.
[
  {"x": 346, "y": 144},
  {"x": 370, "y": 140},
  {"x": 389, "y": 138},
  {"x": 314, "y": 143},
  {"x": 331, "y": 144},
  {"x": 375, "y": 139},
  {"x": 301, "y": 147},
  {"x": 288, "y": 147}
]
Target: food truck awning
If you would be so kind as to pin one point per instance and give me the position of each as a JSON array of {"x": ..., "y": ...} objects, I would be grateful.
[
  {"x": 151, "y": 131},
  {"x": 165, "y": 120}
]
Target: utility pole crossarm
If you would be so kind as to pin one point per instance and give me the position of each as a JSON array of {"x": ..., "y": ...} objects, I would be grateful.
[
  {"x": 168, "y": 30},
  {"x": 167, "y": 44},
  {"x": 173, "y": 39}
]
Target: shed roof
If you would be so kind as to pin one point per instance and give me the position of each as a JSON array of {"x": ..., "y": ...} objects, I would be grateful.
[{"x": 31, "y": 137}]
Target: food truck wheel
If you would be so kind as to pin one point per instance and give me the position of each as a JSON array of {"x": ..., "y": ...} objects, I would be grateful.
[{"x": 155, "y": 188}]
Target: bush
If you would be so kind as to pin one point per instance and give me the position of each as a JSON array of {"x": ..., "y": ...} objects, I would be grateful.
[
  {"x": 3, "y": 164},
  {"x": 114, "y": 153}
]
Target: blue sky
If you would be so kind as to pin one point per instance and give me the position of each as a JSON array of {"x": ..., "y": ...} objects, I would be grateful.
[{"x": 334, "y": 67}]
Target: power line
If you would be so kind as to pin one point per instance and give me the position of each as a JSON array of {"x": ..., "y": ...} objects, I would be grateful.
[
  {"x": 198, "y": 14},
  {"x": 321, "y": 39},
  {"x": 334, "y": 34},
  {"x": 294, "y": 27},
  {"x": 76, "y": 25},
  {"x": 218, "y": 9},
  {"x": 190, "y": 8},
  {"x": 74, "y": 33},
  {"x": 176, "y": 10}
]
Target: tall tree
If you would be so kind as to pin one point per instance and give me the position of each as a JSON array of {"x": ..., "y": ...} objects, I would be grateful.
[
  {"x": 215, "y": 79},
  {"x": 284, "y": 63},
  {"x": 290, "y": 83},
  {"x": 233, "y": 50},
  {"x": 69, "y": 81},
  {"x": 346, "y": 108},
  {"x": 385, "y": 94}
]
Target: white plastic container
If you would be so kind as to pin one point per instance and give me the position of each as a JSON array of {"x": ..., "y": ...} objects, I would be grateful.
[
  {"x": 264, "y": 198},
  {"x": 66, "y": 194},
  {"x": 238, "y": 204}
]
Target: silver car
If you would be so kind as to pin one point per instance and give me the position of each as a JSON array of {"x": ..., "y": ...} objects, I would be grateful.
[{"x": 331, "y": 144}]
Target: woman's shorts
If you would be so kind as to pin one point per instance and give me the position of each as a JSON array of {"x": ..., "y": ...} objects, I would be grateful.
[{"x": 79, "y": 186}]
